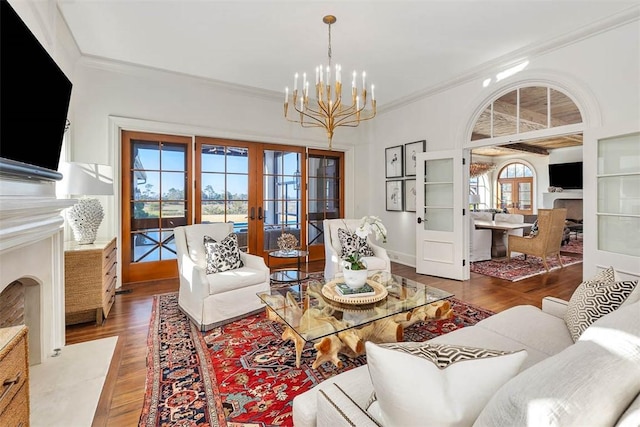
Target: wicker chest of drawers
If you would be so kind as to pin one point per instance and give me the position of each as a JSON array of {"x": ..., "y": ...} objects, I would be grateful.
[
  {"x": 90, "y": 281},
  {"x": 14, "y": 377}
]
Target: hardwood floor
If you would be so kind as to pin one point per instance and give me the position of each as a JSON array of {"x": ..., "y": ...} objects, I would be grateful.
[{"x": 123, "y": 393}]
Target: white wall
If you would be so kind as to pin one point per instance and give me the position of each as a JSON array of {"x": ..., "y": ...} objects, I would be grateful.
[{"x": 600, "y": 72}]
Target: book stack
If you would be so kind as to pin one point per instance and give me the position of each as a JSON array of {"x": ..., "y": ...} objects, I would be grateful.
[{"x": 363, "y": 291}]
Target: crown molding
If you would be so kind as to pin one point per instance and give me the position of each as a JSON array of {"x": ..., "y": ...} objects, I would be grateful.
[
  {"x": 512, "y": 58},
  {"x": 624, "y": 17},
  {"x": 137, "y": 70}
]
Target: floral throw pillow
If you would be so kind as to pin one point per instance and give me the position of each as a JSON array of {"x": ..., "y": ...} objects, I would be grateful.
[
  {"x": 223, "y": 255},
  {"x": 351, "y": 243}
]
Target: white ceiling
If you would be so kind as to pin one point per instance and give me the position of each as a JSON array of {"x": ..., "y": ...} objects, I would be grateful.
[{"x": 404, "y": 46}]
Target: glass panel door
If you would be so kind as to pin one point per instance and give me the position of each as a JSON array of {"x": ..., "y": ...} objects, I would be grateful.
[
  {"x": 155, "y": 200},
  {"x": 225, "y": 186},
  {"x": 325, "y": 189},
  {"x": 283, "y": 205}
]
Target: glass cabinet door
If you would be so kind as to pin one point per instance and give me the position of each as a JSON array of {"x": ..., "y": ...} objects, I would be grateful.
[{"x": 618, "y": 203}]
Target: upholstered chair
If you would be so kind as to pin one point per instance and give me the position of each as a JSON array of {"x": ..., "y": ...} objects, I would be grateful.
[
  {"x": 213, "y": 299},
  {"x": 333, "y": 249},
  {"x": 479, "y": 239}
]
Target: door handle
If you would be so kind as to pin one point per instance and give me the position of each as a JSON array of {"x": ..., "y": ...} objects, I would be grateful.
[
  {"x": 260, "y": 217},
  {"x": 252, "y": 215},
  {"x": 419, "y": 220}
]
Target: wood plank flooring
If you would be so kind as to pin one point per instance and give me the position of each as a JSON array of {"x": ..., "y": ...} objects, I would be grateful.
[{"x": 123, "y": 393}]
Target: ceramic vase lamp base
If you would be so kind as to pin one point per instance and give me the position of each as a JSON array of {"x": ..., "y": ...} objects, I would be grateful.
[{"x": 84, "y": 219}]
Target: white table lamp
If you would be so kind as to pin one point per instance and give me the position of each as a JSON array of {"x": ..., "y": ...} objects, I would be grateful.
[
  {"x": 474, "y": 200},
  {"x": 86, "y": 179}
]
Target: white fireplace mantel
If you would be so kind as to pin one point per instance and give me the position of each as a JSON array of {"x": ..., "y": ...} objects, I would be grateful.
[{"x": 549, "y": 198}]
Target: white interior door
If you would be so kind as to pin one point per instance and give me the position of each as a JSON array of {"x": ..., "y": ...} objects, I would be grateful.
[{"x": 439, "y": 215}]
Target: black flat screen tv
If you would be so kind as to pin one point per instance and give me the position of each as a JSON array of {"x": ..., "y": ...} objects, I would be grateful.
[
  {"x": 566, "y": 175},
  {"x": 34, "y": 102}
]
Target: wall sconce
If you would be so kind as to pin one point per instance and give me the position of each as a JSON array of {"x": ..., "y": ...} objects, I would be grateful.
[{"x": 86, "y": 179}]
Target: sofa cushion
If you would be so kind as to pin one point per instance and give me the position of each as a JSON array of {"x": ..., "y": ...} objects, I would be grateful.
[
  {"x": 590, "y": 383},
  {"x": 480, "y": 337},
  {"x": 531, "y": 327},
  {"x": 455, "y": 381},
  {"x": 235, "y": 279},
  {"x": 355, "y": 382},
  {"x": 336, "y": 409},
  {"x": 594, "y": 298},
  {"x": 223, "y": 255},
  {"x": 351, "y": 243}
]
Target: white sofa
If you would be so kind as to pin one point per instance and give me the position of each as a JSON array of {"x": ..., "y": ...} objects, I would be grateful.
[
  {"x": 597, "y": 378},
  {"x": 213, "y": 299},
  {"x": 332, "y": 264}
]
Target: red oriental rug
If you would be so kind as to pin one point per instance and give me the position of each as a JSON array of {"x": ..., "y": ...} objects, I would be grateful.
[
  {"x": 574, "y": 245},
  {"x": 519, "y": 268},
  {"x": 241, "y": 374}
]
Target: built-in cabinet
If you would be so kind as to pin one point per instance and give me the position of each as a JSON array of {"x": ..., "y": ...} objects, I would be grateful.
[
  {"x": 14, "y": 376},
  {"x": 90, "y": 281}
]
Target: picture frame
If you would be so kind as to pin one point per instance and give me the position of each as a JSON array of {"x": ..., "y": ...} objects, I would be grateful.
[
  {"x": 410, "y": 195},
  {"x": 394, "y": 195},
  {"x": 410, "y": 151},
  {"x": 393, "y": 162}
]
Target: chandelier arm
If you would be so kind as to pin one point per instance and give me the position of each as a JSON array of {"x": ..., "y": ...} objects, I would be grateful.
[{"x": 321, "y": 123}]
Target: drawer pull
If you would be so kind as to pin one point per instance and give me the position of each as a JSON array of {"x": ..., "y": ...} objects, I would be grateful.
[{"x": 9, "y": 383}]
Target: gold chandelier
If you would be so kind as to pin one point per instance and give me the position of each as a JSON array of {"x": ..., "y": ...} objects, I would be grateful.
[{"x": 327, "y": 110}]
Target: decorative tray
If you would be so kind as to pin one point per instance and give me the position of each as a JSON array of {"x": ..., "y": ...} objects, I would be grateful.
[{"x": 329, "y": 291}]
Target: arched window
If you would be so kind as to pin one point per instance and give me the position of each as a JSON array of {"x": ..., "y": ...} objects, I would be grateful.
[
  {"x": 515, "y": 189},
  {"x": 526, "y": 109},
  {"x": 480, "y": 186}
]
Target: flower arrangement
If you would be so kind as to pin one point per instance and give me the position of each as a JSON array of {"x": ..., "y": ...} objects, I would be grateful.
[
  {"x": 367, "y": 225},
  {"x": 372, "y": 223}
]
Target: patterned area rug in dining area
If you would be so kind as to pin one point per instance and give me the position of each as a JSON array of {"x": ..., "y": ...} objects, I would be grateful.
[
  {"x": 242, "y": 374},
  {"x": 519, "y": 268}
]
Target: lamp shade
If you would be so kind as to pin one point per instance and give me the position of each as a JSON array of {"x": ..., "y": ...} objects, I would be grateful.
[
  {"x": 87, "y": 179},
  {"x": 474, "y": 199}
]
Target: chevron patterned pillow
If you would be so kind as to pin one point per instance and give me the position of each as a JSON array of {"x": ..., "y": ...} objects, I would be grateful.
[
  {"x": 595, "y": 298},
  {"x": 419, "y": 383}
]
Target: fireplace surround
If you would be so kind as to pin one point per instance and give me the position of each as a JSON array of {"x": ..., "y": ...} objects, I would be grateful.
[{"x": 31, "y": 252}]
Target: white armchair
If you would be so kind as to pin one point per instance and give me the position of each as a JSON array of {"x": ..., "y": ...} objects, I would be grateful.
[
  {"x": 214, "y": 299},
  {"x": 479, "y": 239},
  {"x": 332, "y": 249}
]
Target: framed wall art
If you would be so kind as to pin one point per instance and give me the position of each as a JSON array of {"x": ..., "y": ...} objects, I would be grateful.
[
  {"x": 394, "y": 195},
  {"x": 410, "y": 151},
  {"x": 393, "y": 161},
  {"x": 410, "y": 195}
]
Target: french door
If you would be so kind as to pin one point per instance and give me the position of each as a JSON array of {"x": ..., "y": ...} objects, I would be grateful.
[
  {"x": 170, "y": 181},
  {"x": 155, "y": 192},
  {"x": 439, "y": 212}
]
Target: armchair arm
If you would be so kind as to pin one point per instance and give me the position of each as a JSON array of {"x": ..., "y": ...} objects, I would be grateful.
[
  {"x": 379, "y": 251},
  {"x": 253, "y": 261},
  {"x": 193, "y": 279},
  {"x": 555, "y": 306}
]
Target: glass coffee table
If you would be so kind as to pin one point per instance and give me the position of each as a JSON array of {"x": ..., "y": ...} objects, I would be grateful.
[{"x": 316, "y": 312}]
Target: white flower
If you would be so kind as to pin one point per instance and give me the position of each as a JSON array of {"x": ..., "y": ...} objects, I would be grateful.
[{"x": 372, "y": 223}]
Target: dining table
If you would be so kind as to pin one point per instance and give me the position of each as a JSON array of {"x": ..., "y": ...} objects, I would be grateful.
[{"x": 498, "y": 230}]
